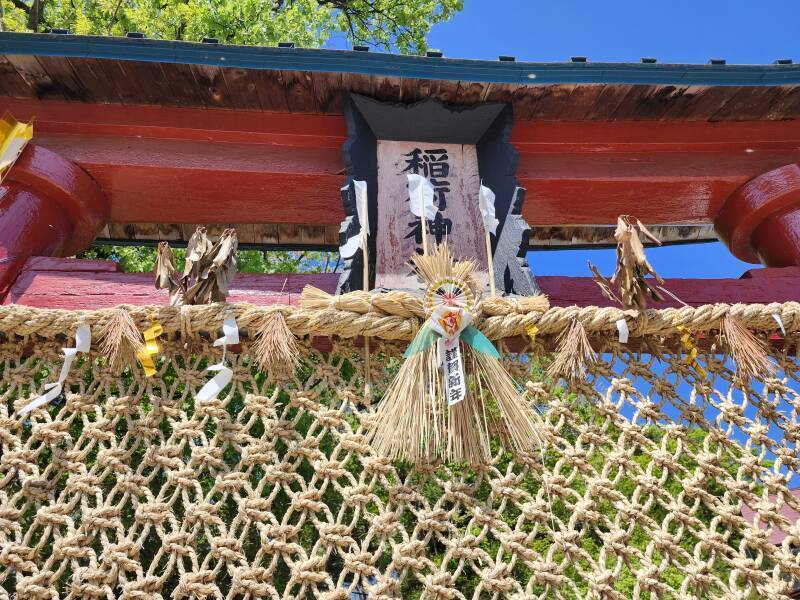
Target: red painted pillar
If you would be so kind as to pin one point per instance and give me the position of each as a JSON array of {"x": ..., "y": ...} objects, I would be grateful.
[
  {"x": 48, "y": 207},
  {"x": 760, "y": 222}
]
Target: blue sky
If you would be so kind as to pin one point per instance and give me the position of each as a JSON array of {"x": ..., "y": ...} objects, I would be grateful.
[
  {"x": 675, "y": 31},
  {"x": 746, "y": 32}
]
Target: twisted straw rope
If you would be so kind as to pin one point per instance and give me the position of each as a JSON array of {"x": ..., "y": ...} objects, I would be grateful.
[{"x": 190, "y": 321}]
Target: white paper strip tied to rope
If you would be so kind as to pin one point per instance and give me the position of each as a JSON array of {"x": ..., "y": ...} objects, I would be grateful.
[
  {"x": 624, "y": 332},
  {"x": 420, "y": 195},
  {"x": 779, "y": 321},
  {"x": 83, "y": 341},
  {"x": 486, "y": 204},
  {"x": 224, "y": 374},
  {"x": 358, "y": 239}
]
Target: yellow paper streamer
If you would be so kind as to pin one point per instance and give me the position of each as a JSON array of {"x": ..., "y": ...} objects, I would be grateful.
[
  {"x": 691, "y": 350},
  {"x": 145, "y": 355},
  {"x": 532, "y": 330},
  {"x": 14, "y": 136}
]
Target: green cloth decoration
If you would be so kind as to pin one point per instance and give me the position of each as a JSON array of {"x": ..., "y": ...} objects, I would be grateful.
[
  {"x": 472, "y": 336},
  {"x": 427, "y": 337}
]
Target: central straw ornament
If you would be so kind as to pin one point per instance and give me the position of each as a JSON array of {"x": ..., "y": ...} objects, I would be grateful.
[{"x": 451, "y": 394}]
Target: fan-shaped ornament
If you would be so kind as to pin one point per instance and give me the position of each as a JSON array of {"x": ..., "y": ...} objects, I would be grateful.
[{"x": 451, "y": 395}]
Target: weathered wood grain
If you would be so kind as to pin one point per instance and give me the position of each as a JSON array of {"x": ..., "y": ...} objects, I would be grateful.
[
  {"x": 512, "y": 274},
  {"x": 299, "y": 91},
  {"x": 328, "y": 93},
  {"x": 271, "y": 90},
  {"x": 582, "y": 100},
  {"x": 93, "y": 77},
  {"x": 172, "y": 84},
  {"x": 394, "y": 247},
  {"x": 35, "y": 75},
  {"x": 12, "y": 84},
  {"x": 242, "y": 86},
  {"x": 183, "y": 85},
  {"x": 212, "y": 87}
]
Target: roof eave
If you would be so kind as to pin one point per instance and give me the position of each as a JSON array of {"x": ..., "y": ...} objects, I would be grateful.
[{"x": 394, "y": 65}]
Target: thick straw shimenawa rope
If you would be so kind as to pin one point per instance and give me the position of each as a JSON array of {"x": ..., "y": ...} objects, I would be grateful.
[
  {"x": 128, "y": 488},
  {"x": 192, "y": 320}
]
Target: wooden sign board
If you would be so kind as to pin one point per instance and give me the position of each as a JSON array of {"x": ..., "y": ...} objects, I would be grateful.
[
  {"x": 452, "y": 169},
  {"x": 455, "y": 148}
]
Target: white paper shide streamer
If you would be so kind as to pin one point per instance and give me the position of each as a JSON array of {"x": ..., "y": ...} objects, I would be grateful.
[
  {"x": 420, "y": 196},
  {"x": 354, "y": 242},
  {"x": 624, "y": 332},
  {"x": 224, "y": 375},
  {"x": 779, "y": 321},
  {"x": 83, "y": 341},
  {"x": 486, "y": 203}
]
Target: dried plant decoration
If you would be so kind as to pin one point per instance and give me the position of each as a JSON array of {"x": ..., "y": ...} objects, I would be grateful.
[
  {"x": 167, "y": 276},
  {"x": 275, "y": 347},
  {"x": 748, "y": 352},
  {"x": 208, "y": 271},
  {"x": 120, "y": 340},
  {"x": 451, "y": 392},
  {"x": 573, "y": 355},
  {"x": 632, "y": 269}
]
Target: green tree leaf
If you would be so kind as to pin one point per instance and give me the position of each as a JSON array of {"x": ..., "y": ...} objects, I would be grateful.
[{"x": 386, "y": 24}]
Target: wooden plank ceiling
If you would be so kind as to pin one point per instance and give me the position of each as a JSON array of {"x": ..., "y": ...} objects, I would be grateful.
[
  {"x": 296, "y": 237},
  {"x": 93, "y": 80}
]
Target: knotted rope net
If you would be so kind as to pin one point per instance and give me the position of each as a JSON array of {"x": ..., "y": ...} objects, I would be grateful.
[{"x": 652, "y": 482}]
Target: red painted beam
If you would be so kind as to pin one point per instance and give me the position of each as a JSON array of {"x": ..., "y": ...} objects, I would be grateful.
[
  {"x": 91, "y": 284},
  {"x": 48, "y": 205},
  {"x": 79, "y": 284},
  {"x": 59, "y": 182},
  {"x": 178, "y": 181},
  {"x": 164, "y": 122},
  {"x": 761, "y": 220},
  {"x": 162, "y": 164}
]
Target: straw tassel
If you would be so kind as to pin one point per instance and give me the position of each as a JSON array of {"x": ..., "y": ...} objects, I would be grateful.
[
  {"x": 120, "y": 340},
  {"x": 573, "y": 354},
  {"x": 275, "y": 348},
  {"x": 748, "y": 352}
]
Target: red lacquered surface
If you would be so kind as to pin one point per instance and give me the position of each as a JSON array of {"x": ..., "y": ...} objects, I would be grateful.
[
  {"x": 760, "y": 222},
  {"x": 58, "y": 181},
  {"x": 77, "y": 284},
  {"x": 166, "y": 164},
  {"x": 48, "y": 205}
]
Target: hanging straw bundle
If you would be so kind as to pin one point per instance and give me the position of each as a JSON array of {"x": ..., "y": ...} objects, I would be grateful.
[
  {"x": 748, "y": 352},
  {"x": 275, "y": 348},
  {"x": 573, "y": 354},
  {"x": 120, "y": 340},
  {"x": 429, "y": 412},
  {"x": 630, "y": 276},
  {"x": 207, "y": 273}
]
